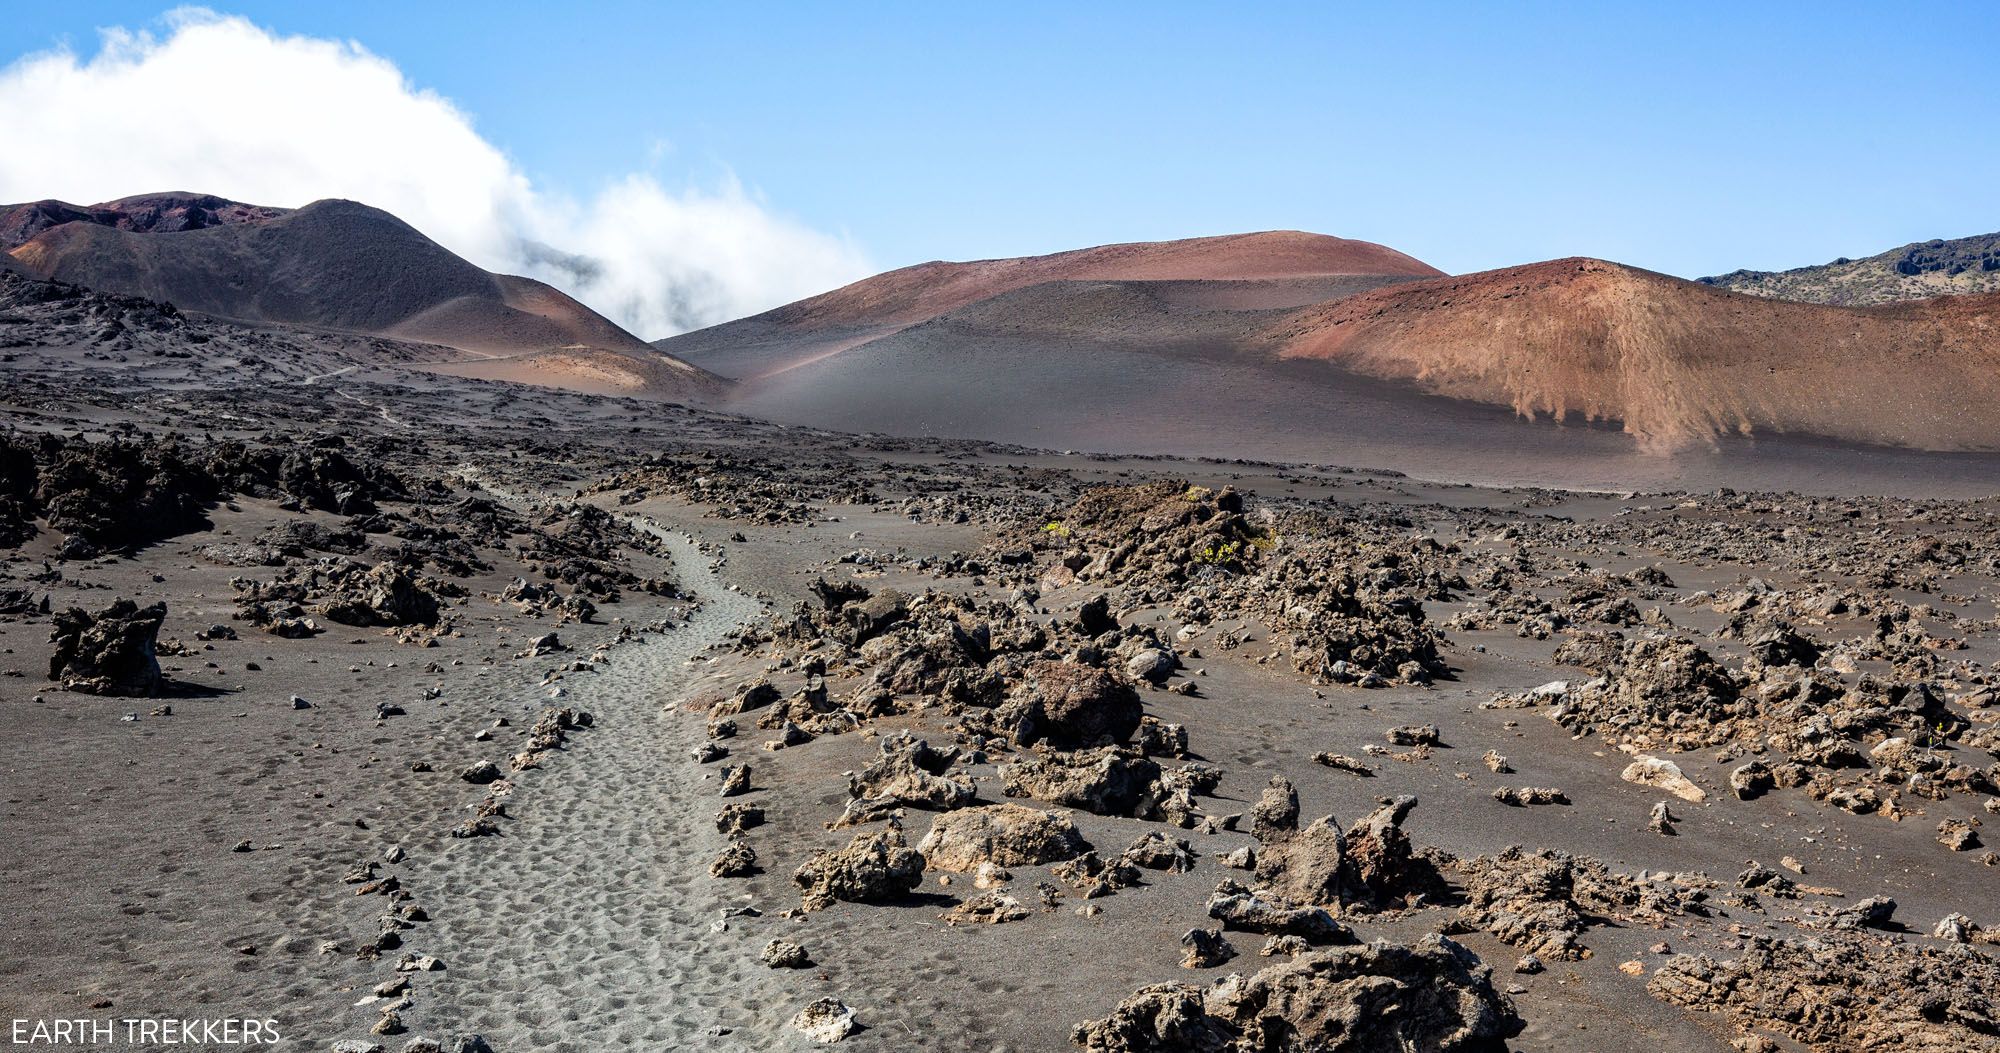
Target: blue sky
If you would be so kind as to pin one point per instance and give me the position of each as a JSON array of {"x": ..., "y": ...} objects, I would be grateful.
[{"x": 1687, "y": 138}]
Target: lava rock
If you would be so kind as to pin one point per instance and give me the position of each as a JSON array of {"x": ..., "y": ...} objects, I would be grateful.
[{"x": 111, "y": 652}]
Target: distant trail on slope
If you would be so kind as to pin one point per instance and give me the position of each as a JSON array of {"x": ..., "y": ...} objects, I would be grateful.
[{"x": 317, "y": 377}]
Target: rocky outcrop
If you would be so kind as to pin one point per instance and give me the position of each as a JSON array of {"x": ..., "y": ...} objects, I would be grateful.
[
  {"x": 1660, "y": 693},
  {"x": 385, "y": 595},
  {"x": 1542, "y": 902},
  {"x": 1839, "y": 991},
  {"x": 1433, "y": 995},
  {"x": 1005, "y": 835}
]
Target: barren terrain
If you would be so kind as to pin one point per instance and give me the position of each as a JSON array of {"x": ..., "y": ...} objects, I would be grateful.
[{"x": 399, "y": 708}]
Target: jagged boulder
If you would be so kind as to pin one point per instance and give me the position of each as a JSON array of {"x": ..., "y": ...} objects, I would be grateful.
[
  {"x": 111, "y": 652},
  {"x": 1205, "y": 949},
  {"x": 323, "y": 478},
  {"x": 1370, "y": 866},
  {"x": 1276, "y": 813},
  {"x": 1094, "y": 617},
  {"x": 1152, "y": 665},
  {"x": 1072, "y": 706},
  {"x": 1156, "y": 851},
  {"x": 1093, "y": 877},
  {"x": 825, "y": 1020},
  {"x": 752, "y": 696},
  {"x": 1306, "y": 867},
  {"x": 1382, "y": 869},
  {"x": 858, "y": 615},
  {"x": 1781, "y": 645},
  {"x": 909, "y": 772},
  {"x": 1662, "y": 774}
]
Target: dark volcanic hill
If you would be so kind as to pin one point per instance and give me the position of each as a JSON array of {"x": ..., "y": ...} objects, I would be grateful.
[
  {"x": 341, "y": 266},
  {"x": 1913, "y": 272}
]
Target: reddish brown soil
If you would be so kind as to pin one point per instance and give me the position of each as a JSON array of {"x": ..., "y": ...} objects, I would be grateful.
[{"x": 912, "y": 294}]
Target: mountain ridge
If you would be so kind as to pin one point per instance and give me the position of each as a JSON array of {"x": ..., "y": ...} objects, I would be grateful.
[
  {"x": 171, "y": 211},
  {"x": 1918, "y": 270}
]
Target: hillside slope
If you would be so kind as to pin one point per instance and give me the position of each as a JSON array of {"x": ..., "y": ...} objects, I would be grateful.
[{"x": 1673, "y": 362}]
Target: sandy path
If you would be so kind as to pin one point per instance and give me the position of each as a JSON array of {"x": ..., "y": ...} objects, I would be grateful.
[{"x": 589, "y": 923}]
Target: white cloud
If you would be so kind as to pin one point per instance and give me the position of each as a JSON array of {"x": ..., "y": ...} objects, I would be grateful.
[{"x": 218, "y": 105}]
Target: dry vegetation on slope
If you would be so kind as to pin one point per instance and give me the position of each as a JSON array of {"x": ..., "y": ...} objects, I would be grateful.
[{"x": 1954, "y": 267}]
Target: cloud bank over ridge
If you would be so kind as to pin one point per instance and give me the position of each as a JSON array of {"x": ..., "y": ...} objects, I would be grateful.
[{"x": 219, "y": 105}]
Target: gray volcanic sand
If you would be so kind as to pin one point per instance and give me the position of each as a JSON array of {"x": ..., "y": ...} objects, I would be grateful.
[{"x": 1195, "y": 401}]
